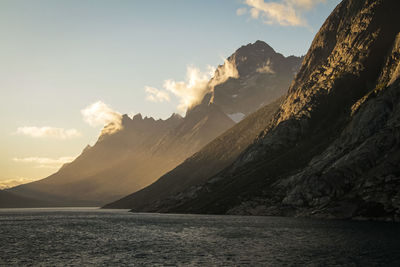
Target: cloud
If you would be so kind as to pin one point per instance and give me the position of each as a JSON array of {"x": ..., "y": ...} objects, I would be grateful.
[
  {"x": 192, "y": 90},
  {"x": 197, "y": 83},
  {"x": 155, "y": 95},
  {"x": 8, "y": 183},
  {"x": 45, "y": 162},
  {"x": 100, "y": 114},
  {"x": 283, "y": 12},
  {"x": 305, "y": 4},
  {"x": 241, "y": 11},
  {"x": 224, "y": 72},
  {"x": 47, "y": 131}
]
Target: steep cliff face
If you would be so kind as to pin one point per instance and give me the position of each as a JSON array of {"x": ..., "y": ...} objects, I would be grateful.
[
  {"x": 332, "y": 148},
  {"x": 359, "y": 173},
  {"x": 144, "y": 149}
]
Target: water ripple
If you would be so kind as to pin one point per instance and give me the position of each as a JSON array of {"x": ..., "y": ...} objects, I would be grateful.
[{"x": 91, "y": 237}]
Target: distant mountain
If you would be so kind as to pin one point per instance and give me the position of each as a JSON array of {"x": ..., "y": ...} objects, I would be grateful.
[
  {"x": 8, "y": 183},
  {"x": 211, "y": 159},
  {"x": 12, "y": 200},
  {"x": 132, "y": 158},
  {"x": 332, "y": 148},
  {"x": 104, "y": 171}
]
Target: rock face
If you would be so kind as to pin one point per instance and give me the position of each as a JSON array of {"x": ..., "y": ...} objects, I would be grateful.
[
  {"x": 332, "y": 148},
  {"x": 260, "y": 74},
  {"x": 132, "y": 158}
]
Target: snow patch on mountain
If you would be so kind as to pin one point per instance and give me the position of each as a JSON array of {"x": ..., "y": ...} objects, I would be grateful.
[{"x": 236, "y": 117}]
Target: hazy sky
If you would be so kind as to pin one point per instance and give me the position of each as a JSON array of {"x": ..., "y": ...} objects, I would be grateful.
[{"x": 59, "y": 57}]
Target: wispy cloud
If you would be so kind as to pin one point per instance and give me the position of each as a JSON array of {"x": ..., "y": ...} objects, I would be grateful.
[
  {"x": 100, "y": 114},
  {"x": 48, "y": 132},
  {"x": 224, "y": 72},
  {"x": 305, "y": 4},
  {"x": 197, "y": 83},
  {"x": 155, "y": 95},
  {"x": 8, "y": 183},
  {"x": 42, "y": 162},
  {"x": 189, "y": 92},
  {"x": 193, "y": 89},
  {"x": 241, "y": 11},
  {"x": 283, "y": 12}
]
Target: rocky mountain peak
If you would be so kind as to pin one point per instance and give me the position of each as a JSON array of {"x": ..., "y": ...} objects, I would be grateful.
[
  {"x": 253, "y": 76},
  {"x": 175, "y": 117},
  {"x": 253, "y": 57},
  {"x": 137, "y": 117},
  {"x": 125, "y": 120}
]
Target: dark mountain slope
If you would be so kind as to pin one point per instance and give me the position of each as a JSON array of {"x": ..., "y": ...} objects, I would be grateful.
[
  {"x": 333, "y": 147},
  {"x": 198, "y": 168}
]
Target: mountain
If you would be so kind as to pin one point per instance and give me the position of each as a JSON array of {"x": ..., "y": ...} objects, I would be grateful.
[
  {"x": 127, "y": 160},
  {"x": 261, "y": 76},
  {"x": 104, "y": 171},
  {"x": 332, "y": 148},
  {"x": 12, "y": 200},
  {"x": 211, "y": 159}
]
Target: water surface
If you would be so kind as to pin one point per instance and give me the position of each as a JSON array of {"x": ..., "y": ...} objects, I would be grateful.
[{"x": 60, "y": 237}]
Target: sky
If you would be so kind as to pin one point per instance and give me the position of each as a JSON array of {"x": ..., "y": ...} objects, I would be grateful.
[{"x": 68, "y": 67}]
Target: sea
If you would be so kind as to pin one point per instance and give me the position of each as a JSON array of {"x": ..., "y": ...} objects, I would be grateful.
[{"x": 98, "y": 237}]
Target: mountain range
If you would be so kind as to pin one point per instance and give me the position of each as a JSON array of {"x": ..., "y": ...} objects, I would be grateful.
[
  {"x": 329, "y": 148},
  {"x": 144, "y": 149}
]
